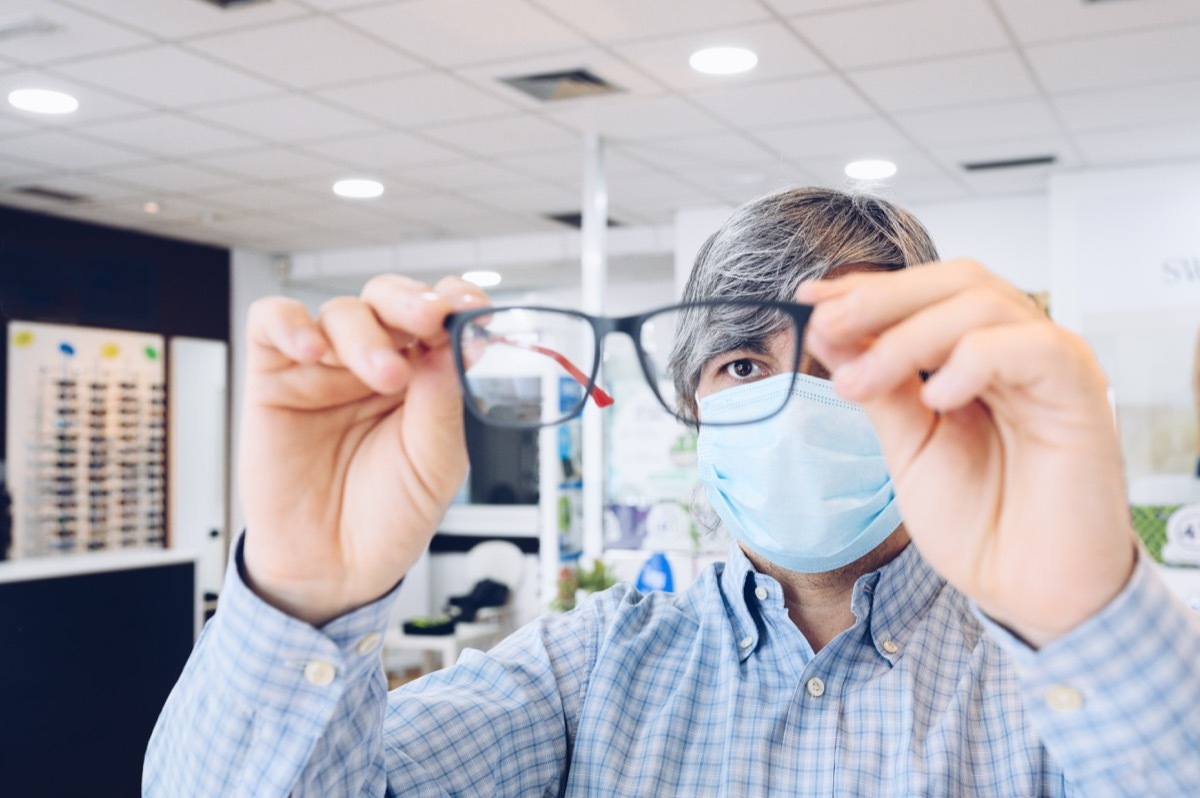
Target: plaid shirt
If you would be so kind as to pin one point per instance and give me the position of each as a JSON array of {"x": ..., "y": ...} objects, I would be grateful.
[{"x": 710, "y": 692}]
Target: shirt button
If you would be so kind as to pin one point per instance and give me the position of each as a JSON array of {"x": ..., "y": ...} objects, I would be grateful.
[
  {"x": 319, "y": 672},
  {"x": 761, "y": 592},
  {"x": 815, "y": 687},
  {"x": 369, "y": 643},
  {"x": 1064, "y": 698},
  {"x": 890, "y": 647},
  {"x": 746, "y": 642}
]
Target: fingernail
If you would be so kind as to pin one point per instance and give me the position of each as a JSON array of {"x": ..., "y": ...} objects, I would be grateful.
[
  {"x": 431, "y": 296},
  {"x": 849, "y": 378},
  {"x": 468, "y": 299},
  {"x": 381, "y": 358},
  {"x": 307, "y": 343}
]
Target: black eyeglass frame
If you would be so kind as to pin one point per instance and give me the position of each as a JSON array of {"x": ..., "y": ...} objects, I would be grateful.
[{"x": 456, "y": 323}]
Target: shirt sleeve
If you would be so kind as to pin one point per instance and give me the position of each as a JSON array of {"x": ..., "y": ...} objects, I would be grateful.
[
  {"x": 268, "y": 705},
  {"x": 1117, "y": 700}
]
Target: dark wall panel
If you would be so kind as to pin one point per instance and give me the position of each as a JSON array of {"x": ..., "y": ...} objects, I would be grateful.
[{"x": 61, "y": 271}]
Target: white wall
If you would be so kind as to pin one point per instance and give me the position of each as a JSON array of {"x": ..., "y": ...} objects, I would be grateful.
[{"x": 1009, "y": 235}]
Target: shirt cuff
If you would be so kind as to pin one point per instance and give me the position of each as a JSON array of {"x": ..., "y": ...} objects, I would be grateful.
[
  {"x": 268, "y": 657},
  {"x": 1119, "y": 692}
]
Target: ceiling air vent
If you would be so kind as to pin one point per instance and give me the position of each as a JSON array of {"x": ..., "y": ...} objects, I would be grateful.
[
  {"x": 50, "y": 194},
  {"x": 554, "y": 86},
  {"x": 234, "y": 3},
  {"x": 575, "y": 220},
  {"x": 24, "y": 25},
  {"x": 1013, "y": 163}
]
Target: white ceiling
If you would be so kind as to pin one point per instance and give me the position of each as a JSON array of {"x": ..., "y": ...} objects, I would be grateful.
[{"x": 238, "y": 121}]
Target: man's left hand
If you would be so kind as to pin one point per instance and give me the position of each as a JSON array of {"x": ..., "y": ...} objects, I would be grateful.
[{"x": 1005, "y": 461}]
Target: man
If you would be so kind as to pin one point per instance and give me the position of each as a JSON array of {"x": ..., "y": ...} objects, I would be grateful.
[{"x": 1019, "y": 645}]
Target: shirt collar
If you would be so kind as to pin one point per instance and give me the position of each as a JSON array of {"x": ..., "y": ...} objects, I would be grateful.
[{"x": 892, "y": 599}]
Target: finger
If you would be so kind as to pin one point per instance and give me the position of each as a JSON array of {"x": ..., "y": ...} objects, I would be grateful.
[
  {"x": 281, "y": 332},
  {"x": 923, "y": 341},
  {"x": 416, "y": 312},
  {"x": 361, "y": 342},
  {"x": 867, "y": 303},
  {"x": 1046, "y": 364}
]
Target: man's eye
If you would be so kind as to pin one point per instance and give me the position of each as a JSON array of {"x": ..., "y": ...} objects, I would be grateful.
[{"x": 742, "y": 369}]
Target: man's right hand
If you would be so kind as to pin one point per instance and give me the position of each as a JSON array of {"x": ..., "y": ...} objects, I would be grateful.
[{"x": 351, "y": 443}]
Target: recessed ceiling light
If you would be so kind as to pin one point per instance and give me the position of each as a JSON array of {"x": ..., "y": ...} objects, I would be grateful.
[
  {"x": 152, "y": 207},
  {"x": 723, "y": 60},
  {"x": 870, "y": 170},
  {"x": 358, "y": 189},
  {"x": 483, "y": 279},
  {"x": 43, "y": 101}
]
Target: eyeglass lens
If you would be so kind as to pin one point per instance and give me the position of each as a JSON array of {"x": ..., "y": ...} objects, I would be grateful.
[{"x": 508, "y": 354}]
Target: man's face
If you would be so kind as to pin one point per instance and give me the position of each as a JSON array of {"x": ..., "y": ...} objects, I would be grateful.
[{"x": 771, "y": 357}]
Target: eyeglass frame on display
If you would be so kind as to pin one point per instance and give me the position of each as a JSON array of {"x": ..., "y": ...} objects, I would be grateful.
[{"x": 456, "y": 324}]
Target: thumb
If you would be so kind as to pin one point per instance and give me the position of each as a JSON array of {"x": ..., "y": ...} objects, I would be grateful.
[{"x": 433, "y": 422}]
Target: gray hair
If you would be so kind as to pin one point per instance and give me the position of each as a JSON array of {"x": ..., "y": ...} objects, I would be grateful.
[{"x": 771, "y": 245}]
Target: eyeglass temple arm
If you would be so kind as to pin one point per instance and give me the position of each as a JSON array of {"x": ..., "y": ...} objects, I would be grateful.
[{"x": 598, "y": 394}]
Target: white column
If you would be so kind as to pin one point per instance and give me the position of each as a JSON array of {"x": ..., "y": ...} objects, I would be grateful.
[{"x": 594, "y": 276}]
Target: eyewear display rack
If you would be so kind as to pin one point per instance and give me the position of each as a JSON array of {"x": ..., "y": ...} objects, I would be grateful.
[{"x": 86, "y": 439}]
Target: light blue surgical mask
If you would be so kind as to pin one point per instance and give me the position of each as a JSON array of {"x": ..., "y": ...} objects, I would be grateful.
[{"x": 808, "y": 489}]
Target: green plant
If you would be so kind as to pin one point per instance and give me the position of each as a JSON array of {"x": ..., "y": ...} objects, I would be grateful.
[{"x": 572, "y": 579}]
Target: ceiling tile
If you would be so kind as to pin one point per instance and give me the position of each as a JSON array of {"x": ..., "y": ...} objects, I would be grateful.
[
  {"x": 461, "y": 175},
  {"x": 509, "y": 135},
  {"x": 165, "y": 76},
  {"x": 786, "y": 102},
  {"x": 850, "y": 140},
  {"x": 169, "y": 178},
  {"x": 77, "y": 34},
  {"x": 458, "y": 32},
  {"x": 723, "y": 149},
  {"x": 484, "y": 224},
  {"x": 780, "y": 54},
  {"x": 307, "y": 53},
  {"x": 94, "y": 104},
  {"x": 947, "y": 82},
  {"x": 167, "y": 135},
  {"x": 619, "y": 20},
  {"x": 1048, "y": 20},
  {"x": 178, "y": 20},
  {"x": 1026, "y": 118},
  {"x": 384, "y": 151},
  {"x": 794, "y": 7},
  {"x": 1123, "y": 60},
  {"x": 529, "y": 198},
  {"x": 21, "y": 172},
  {"x": 252, "y": 197},
  {"x": 62, "y": 150},
  {"x": 909, "y": 31},
  {"x": 649, "y": 189},
  {"x": 1130, "y": 107},
  {"x": 638, "y": 118},
  {"x": 418, "y": 100},
  {"x": 286, "y": 118},
  {"x": 430, "y": 207},
  {"x": 272, "y": 164},
  {"x": 1156, "y": 143}
]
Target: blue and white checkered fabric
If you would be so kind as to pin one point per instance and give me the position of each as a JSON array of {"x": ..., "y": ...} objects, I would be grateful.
[{"x": 711, "y": 692}]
